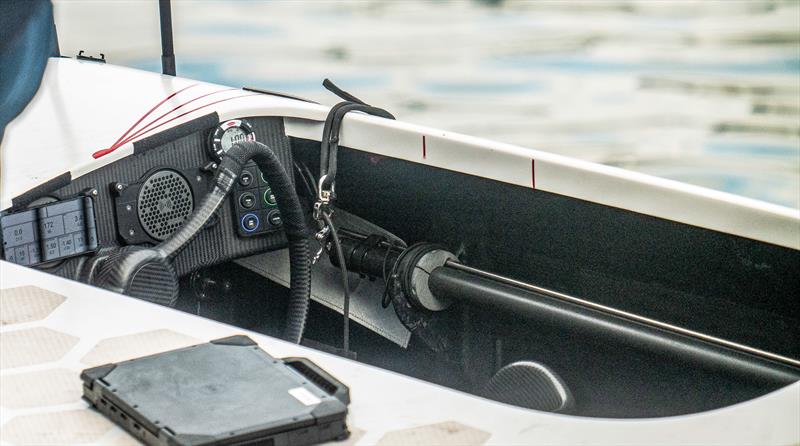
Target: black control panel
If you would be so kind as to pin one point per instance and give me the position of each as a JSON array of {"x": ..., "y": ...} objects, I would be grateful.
[
  {"x": 255, "y": 208},
  {"x": 49, "y": 232}
]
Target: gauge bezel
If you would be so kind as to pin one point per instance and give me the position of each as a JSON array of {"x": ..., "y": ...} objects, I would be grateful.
[{"x": 215, "y": 149}]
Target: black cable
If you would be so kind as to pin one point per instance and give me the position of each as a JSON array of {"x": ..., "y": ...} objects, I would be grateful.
[
  {"x": 309, "y": 176},
  {"x": 345, "y": 282},
  {"x": 312, "y": 195}
]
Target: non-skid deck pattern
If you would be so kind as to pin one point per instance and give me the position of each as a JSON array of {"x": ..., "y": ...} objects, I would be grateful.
[{"x": 53, "y": 328}]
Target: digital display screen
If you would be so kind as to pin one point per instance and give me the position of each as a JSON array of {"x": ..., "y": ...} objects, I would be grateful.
[{"x": 232, "y": 136}]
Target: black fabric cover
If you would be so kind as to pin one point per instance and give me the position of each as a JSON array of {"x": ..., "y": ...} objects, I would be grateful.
[{"x": 27, "y": 38}]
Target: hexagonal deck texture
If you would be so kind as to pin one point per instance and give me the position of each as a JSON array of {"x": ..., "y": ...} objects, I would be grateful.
[
  {"x": 41, "y": 388},
  {"x": 33, "y": 346},
  {"x": 123, "y": 348},
  {"x": 56, "y": 428},
  {"x": 27, "y": 304},
  {"x": 443, "y": 434}
]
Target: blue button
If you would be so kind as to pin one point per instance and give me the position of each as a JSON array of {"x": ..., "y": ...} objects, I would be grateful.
[{"x": 250, "y": 222}]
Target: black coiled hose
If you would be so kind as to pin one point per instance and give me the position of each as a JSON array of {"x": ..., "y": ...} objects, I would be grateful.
[{"x": 294, "y": 224}]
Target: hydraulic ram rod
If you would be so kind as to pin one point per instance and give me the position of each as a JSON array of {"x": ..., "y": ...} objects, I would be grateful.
[{"x": 463, "y": 286}]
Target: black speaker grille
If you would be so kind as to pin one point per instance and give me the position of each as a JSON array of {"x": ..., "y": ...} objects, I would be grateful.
[{"x": 165, "y": 202}]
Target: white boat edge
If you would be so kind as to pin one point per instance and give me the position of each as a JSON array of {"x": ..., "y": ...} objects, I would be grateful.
[{"x": 78, "y": 88}]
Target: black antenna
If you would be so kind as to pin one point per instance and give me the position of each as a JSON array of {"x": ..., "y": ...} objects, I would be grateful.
[{"x": 167, "y": 50}]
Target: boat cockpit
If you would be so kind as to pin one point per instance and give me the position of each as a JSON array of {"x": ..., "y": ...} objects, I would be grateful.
[{"x": 509, "y": 273}]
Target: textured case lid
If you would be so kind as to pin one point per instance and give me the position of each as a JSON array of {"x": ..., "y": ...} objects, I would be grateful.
[{"x": 225, "y": 389}]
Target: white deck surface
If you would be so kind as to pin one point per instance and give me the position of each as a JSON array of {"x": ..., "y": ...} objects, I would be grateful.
[{"x": 52, "y": 328}]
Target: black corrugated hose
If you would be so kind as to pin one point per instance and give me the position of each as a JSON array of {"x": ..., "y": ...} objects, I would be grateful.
[{"x": 294, "y": 225}]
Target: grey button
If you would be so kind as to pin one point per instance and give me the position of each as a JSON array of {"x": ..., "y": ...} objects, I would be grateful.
[
  {"x": 73, "y": 222},
  {"x": 19, "y": 235},
  {"x": 21, "y": 253},
  {"x": 66, "y": 245},
  {"x": 10, "y": 256},
  {"x": 62, "y": 207},
  {"x": 52, "y": 226},
  {"x": 33, "y": 253},
  {"x": 51, "y": 249},
  {"x": 19, "y": 218},
  {"x": 80, "y": 242}
]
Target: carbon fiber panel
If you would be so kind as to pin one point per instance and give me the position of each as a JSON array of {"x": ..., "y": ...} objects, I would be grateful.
[{"x": 215, "y": 244}]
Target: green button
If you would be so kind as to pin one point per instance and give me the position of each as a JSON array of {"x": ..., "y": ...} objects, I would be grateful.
[{"x": 269, "y": 197}]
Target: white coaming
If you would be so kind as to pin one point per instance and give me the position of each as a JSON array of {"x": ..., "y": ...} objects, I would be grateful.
[{"x": 84, "y": 106}]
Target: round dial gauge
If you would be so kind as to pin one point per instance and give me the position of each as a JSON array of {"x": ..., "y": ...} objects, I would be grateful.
[{"x": 227, "y": 134}]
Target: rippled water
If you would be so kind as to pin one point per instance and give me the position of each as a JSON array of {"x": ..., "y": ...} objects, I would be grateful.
[{"x": 706, "y": 92}]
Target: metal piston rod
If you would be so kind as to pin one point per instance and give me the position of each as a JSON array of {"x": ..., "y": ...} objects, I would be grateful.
[{"x": 653, "y": 323}]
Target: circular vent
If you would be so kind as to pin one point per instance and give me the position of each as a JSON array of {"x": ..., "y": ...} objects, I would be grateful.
[{"x": 165, "y": 202}]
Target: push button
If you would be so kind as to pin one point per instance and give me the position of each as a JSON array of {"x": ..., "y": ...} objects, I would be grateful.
[
  {"x": 246, "y": 178},
  {"x": 274, "y": 218},
  {"x": 21, "y": 255},
  {"x": 269, "y": 197},
  {"x": 247, "y": 200},
  {"x": 250, "y": 222}
]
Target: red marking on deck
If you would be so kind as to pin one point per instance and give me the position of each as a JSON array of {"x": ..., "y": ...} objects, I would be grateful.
[
  {"x": 119, "y": 142},
  {"x": 186, "y": 113},
  {"x": 150, "y": 124},
  {"x": 424, "y": 148},
  {"x": 533, "y": 173}
]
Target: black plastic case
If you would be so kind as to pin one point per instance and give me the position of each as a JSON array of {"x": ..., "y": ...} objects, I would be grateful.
[{"x": 225, "y": 392}]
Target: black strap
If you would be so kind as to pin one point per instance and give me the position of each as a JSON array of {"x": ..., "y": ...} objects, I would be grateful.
[
  {"x": 333, "y": 88},
  {"x": 329, "y": 148},
  {"x": 329, "y": 145},
  {"x": 333, "y": 122}
]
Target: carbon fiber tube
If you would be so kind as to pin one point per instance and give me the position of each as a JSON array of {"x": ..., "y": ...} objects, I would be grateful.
[
  {"x": 294, "y": 223},
  {"x": 579, "y": 321}
]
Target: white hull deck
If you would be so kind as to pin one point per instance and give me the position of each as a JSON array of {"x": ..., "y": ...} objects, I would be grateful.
[{"x": 52, "y": 328}]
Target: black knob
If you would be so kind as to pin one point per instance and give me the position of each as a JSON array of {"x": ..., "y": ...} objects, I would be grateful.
[{"x": 247, "y": 200}]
